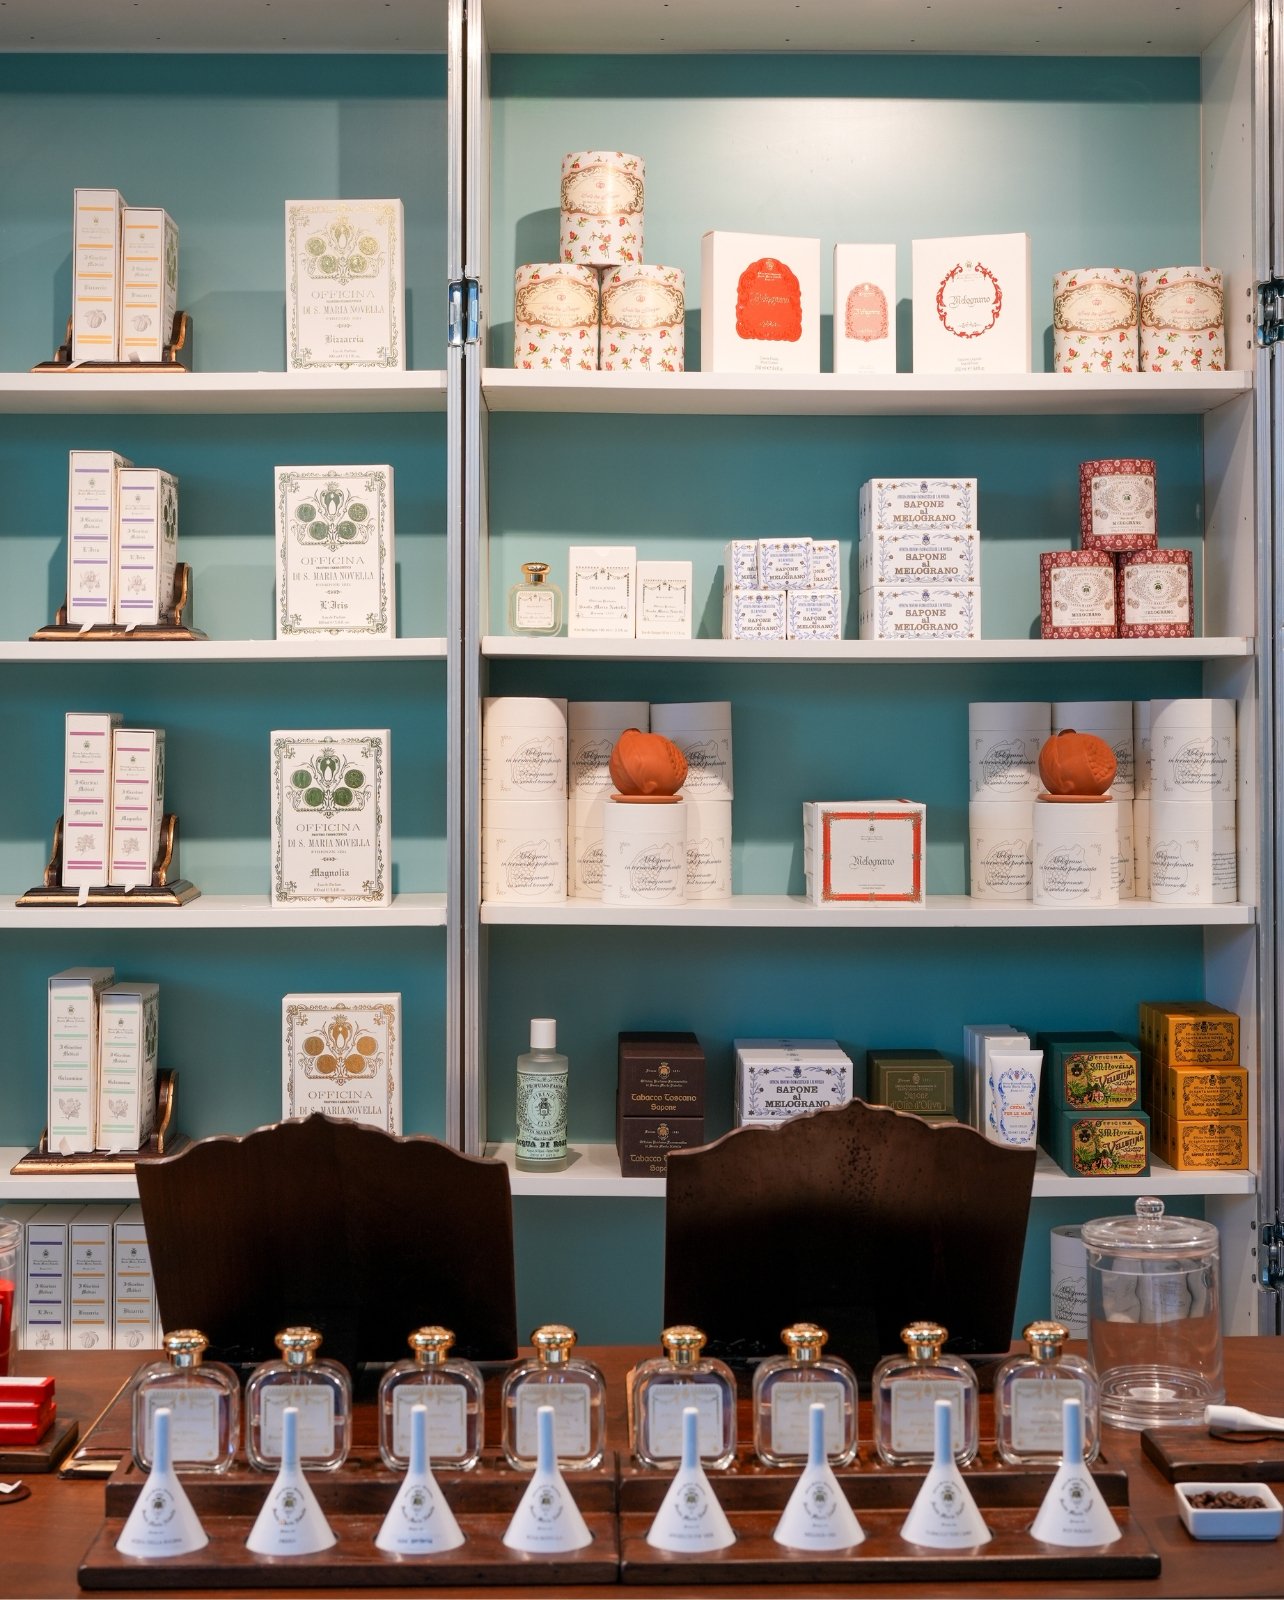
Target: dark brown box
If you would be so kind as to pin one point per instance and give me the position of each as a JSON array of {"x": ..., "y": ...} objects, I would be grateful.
[
  {"x": 643, "y": 1143},
  {"x": 661, "y": 1074}
]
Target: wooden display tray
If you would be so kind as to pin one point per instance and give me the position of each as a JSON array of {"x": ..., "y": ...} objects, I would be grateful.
[
  {"x": 1193, "y": 1455},
  {"x": 162, "y": 1142},
  {"x": 180, "y": 344},
  {"x": 33, "y": 1459},
  {"x": 161, "y": 891},
  {"x": 172, "y": 630}
]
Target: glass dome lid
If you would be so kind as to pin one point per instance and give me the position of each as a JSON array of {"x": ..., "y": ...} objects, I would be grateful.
[{"x": 1149, "y": 1233}]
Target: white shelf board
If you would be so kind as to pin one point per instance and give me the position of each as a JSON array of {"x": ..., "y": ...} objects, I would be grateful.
[
  {"x": 228, "y": 911},
  {"x": 830, "y": 394},
  {"x": 390, "y": 26},
  {"x": 839, "y": 650},
  {"x": 46, "y": 1186},
  {"x": 1051, "y": 1182},
  {"x": 120, "y": 651},
  {"x": 793, "y": 911},
  {"x": 594, "y": 1172},
  {"x": 223, "y": 393}
]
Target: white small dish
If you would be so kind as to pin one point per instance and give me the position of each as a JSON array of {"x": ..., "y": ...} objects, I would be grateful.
[{"x": 1224, "y": 1522}]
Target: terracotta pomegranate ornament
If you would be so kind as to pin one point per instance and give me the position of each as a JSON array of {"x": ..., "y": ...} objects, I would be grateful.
[
  {"x": 647, "y": 765},
  {"x": 1079, "y": 764}
]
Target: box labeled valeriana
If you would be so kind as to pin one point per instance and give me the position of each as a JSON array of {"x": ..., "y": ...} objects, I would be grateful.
[
  {"x": 331, "y": 817},
  {"x": 864, "y": 308},
  {"x": 972, "y": 304},
  {"x": 86, "y": 802},
  {"x": 95, "y": 275},
  {"x": 335, "y": 568},
  {"x": 73, "y": 1057},
  {"x": 128, "y": 1031},
  {"x": 146, "y": 545},
  {"x": 91, "y": 536},
  {"x": 341, "y": 1055},
  {"x": 149, "y": 282},
  {"x": 137, "y": 803},
  {"x": 344, "y": 285},
  {"x": 760, "y": 300}
]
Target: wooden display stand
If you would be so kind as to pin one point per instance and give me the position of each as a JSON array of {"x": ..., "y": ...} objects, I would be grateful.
[
  {"x": 180, "y": 344},
  {"x": 164, "y": 1141},
  {"x": 161, "y": 891},
  {"x": 172, "y": 631},
  {"x": 1193, "y": 1455}
]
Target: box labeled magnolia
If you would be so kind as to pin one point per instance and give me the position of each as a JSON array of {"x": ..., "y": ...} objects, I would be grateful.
[
  {"x": 1076, "y": 594},
  {"x": 920, "y": 611},
  {"x": 972, "y": 304},
  {"x": 912, "y": 505},
  {"x": 91, "y": 536},
  {"x": 73, "y": 1057},
  {"x": 331, "y": 817},
  {"x": 95, "y": 275},
  {"x": 344, "y": 285},
  {"x": 146, "y": 546},
  {"x": 864, "y": 308},
  {"x": 760, "y": 303},
  {"x": 919, "y": 556},
  {"x": 128, "y": 1033},
  {"x": 335, "y": 570},
  {"x": 341, "y": 1056},
  {"x": 137, "y": 803},
  {"x": 149, "y": 282},
  {"x": 86, "y": 803}
]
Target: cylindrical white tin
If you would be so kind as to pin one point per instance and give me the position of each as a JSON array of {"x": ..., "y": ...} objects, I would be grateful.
[
  {"x": 1141, "y": 761},
  {"x": 592, "y": 727},
  {"x": 585, "y": 820},
  {"x": 1193, "y": 749},
  {"x": 702, "y": 731},
  {"x": 1001, "y": 848},
  {"x": 523, "y": 748},
  {"x": 708, "y": 849},
  {"x": 603, "y": 207},
  {"x": 643, "y": 319},
  {"x": 1141, "y": 847},
  {"x": 1182, "y": 320},
  {"x": 1125, "y": 869},
  {"x": 1094, "y": 320},
  {"x": 1110, "y": 720},
  {"x": 1075, "y": 844},
  {"x": 523, "y": 850},
  {"x": 1192, "y": 852},
  {"x": 555, "y": 318},
  {"x": 1004, "y": 740},
  {"x": 1069, "y": 1298},
  {"x": 644, "y": 854}
]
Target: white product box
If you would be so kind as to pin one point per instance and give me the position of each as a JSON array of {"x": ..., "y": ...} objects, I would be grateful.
[
  {"x": 814, "y": 614},
  {"x": 1075, "y": 848},
  {"x": 976, "y": 1045},
  {"x": 708, "y": 849},
  {"x": 913, "y": 505},
  {"x": 781, "y": 1078},
  {"x": 643, "y": 319},
  {"x": 73, "y": 1057},
  {"x": 1123, "y": 867},
  {"x": 760, "y": 303},
  {"x": 644, "y": 853},
  {"x": 134, "y": 1320},
  {"x": 344, "y": 285},
  {"x": 972, "y": 304},
  {"x": 873, "y": 851},
  {"x": 824, "y": 564},
  {"x": 523, "y": 850},
  {"x": 86, "y": 814},
  {"x": 332, "y": 817},
  {"x": 95, "y": 275},
  {"x": 91, "y": 536},
  {"x": 592, "y": 728},
  {"x": 1141, "y": 749},
  {"x": 1004, "y": 740},
  {"x": 914, "y": 612},
  {"x": 341, "y": 1056},
  {"x": 48, "y": 1286},
  {"x": 149, "y": 282},
  {"x": 1141, "y": 848},
  {"x": 336, "y": 570},
  {"x": 1001, "y": 848},
  {"x": 922, "y": 556},
  {"x": 1192, "y": 750},
  {"x": 701, "y": 729},
  {"x": 664, "y": 600},
  {"x": 1110, "y": 720},
  {"x": 90, "y": 1273},
  {"x": 740, "y": 564},
  {"x": 1012, "y": 1099},
  {"x": 128, "y": 1029},
  {"x": 784, "y": 563},
  {"x": 556, "y": 307},
  {"x": 137, "y": 803},
  {"x": 146, "y": 545},
  {"x": 524, "y": 748},
  {"x": 602, "y": 591},
  {"x": 864, "y": 308},
  {"x": 1193, "y": 852},
  {"x": 603, "y": 207},
  {"x": 585, "y": 813},
  {"x": 754, "y": 614}
]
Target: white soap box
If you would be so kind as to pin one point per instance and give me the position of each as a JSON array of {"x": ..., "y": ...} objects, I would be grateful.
[{"x": 871, "y": 851}]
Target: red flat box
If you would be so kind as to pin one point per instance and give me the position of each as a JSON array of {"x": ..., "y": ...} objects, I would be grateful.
[
  {"x": 1131, "y": 504},
  {"x": 26, "y": 1391},
  {"x": 29, "y": 1427},
  {"x": 1155, "y": 595},
  {"x": 1077, "y": 595}
]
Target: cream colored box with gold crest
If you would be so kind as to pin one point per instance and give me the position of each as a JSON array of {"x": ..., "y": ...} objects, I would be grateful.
[{"x": 341, "y": 1057}]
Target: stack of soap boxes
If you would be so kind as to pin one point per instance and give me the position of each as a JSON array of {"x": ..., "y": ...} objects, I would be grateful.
[
  {"x": 84, "y": 1278},
  {"x": 785, "y": 588},
  {"x": 659, "y": 1104},
  {"x": 921, "y": 1081},
  {"x": 1195, "y": 1089},
  {"x": 1093, "y": 1125},
  {"x": 781, "y": 1078},
  {"x": 918, "y": 562}
]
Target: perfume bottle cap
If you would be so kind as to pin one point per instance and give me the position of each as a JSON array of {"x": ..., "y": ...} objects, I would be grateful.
[
  {"x": 683, "y": 1344},
  {"x": 430, "y": 1345},
  {"x": 543, "y": 1033},
  {"x": 1045, "y": 1339},
  {"x": 923, "y": 1340},
  {"x": 804, "y": 1340},
  {"x": 298, "y": 1345},
  {"x": 536, "y": 571},
  {"x": 553, "y": 1342},
  {"x": 186, "y": 1346}
]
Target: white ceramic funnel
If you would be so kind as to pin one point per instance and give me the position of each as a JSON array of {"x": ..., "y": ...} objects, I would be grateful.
[
  {"x": 163, "y": 1522},
  {"x": 547, "y": 1520},
  {"x": 818, "y": 1516},
  {"x": 1073, "y": 1512},
  {"x": 291, "y": 1522},
  {"x": 1235, "y": 1419},
  {"x": 690, "y": 1517},
  {"x": 419, "y": 1521},
  {"x": 944, "y": 1515}
]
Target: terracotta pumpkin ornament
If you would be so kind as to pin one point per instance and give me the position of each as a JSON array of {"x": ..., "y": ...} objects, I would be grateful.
[
  {"x": 647, "y": 764},
  {"x": 1072, "y": 763}
]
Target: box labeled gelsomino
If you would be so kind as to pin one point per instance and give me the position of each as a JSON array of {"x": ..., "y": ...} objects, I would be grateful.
[
  {"x": 331, "y": 817},
  {"x": 344, "y": 285},
  {"x": 341, "y": 1056}
]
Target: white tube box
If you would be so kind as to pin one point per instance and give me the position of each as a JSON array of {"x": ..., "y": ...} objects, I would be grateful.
[
  {"x": 1192, "y": 852},
  {"x": 1001, "y": 849},
  {"x": 95, "y": 275},
  {"x": 48, "y": 1291},
  {"x": 760, "y": 303},
  {"x": 972, "y": 304},
  {"x": 1182, "y": 319},
  {"x": 864, "y": 308},
  {"x": 90, "y": 1276},
  {"x": 784, "y": 563},
  {"x": 919, "y": 556},
  {"x": 1141, "y": 848},
  {"x": 702, "y": 731},
  {"x": 592, "y": 728},
  {"x": 643, "y": 319},
  {"x": 524, "y": 748},
  {"x": 523, "y": 850},
  {"x": 1094, "y": 324},
  {"x": 1110, "y": 720},
  {"x": 1124, "y": 868},
  {"x": 1075, "y": 847},
  {"x": 1004, "y": 740},
  {"x": 149, "y": 282},
  {"x": 556, "y": 307},
  {"x": 1192, "y": 749},
  {"x": 1141, "y": 749},
  {"x": 86, "y": 804},
  {"x": 781, "y": 1078},
  {"x": 341, "y": 1056},
  {"x": 73, "y": 1057},
  {"x": 708, "y": 849},
  {"x": 128, "y": 1030},
  {"x": 664, "y": 600},
  {"x": 602, "y": 591},
  {"x": 644, "y": 853},
  {"x": 1012, "y": 1099},
  {"x": 331, "y": 816},
  {"x": 976, "y": 1044},
  {"x": 345, "y": 298},
  {"x": 137, "y": 804},
  {"x": 754, "y": 614},
  {"x": 134, "y": 1320},
  {"x": 91, "y": 536},
  {"x": 814, "y": 614},
  {"x": 871, "y": 851},
  {"x": 916, "y": 612},
  {"x": 146, "y": 546},
  {"x": 585, "y": 823},
  {"x": 915, "y": 505}
]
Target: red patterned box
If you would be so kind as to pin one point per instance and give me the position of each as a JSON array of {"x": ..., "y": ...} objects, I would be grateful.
[
  {"x": 1077, "y": 590},
  {"x": 1155, "y": 595},
  {"x": 1117, "y": 506}
]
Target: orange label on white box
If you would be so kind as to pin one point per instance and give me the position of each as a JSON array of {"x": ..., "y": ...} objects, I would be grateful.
[
  {"x": 769, "y": 302},
  {"x": 872, "y": 856},
  {"x": 865, "y": 315}
]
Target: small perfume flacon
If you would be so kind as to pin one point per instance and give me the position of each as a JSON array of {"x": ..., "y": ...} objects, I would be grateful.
[
  {"x": 575, "y": 1389},
  {"x": 534, "y": 604},
  {"x": 321, "y": 1393},
  {"x": 784, "y": 1391},
  {"x": 906, "y": 1389},
  {"x": 451, "y": 1391},
  {"x": 204, "y": 1403},
  {"x": 1029, "y": 1393},
  {"x": 664, "y": 1387}
]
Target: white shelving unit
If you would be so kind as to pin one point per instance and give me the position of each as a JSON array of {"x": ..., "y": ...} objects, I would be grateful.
[
  {"x": 45, "y": 394},
  {"x": 205, "y": 652},
  {"x": 226, "y": 911},
  {"x": 500, "y": 645}
]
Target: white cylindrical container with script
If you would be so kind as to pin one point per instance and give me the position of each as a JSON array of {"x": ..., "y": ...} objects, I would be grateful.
[
  {"x": 643, "y": 319},
  {"x": 1125, "y": 868},
  {"x": 1004, "y": 740},
  {"x": 592, "y": 727},
  {"x": 708, "y": 849},
  {"x": 1001, "y": 849},
  {"x": 1192, "y": 852},
  {"x": 1094, "y": 320},
  {"x": 702, "y": 731},
  {"x": 603, "y": 208},
  {"x": 1110, "y": 720},
  {"x": 555, "y": 318},
  {"x": 1075, "y": 844},
  {"x": 1141, "y": 848},
  {"x": 523, "y": 748},
  {"x": 523, "y": 850},
  {"x": 644, "y": 853},
  {"x": 1141, "y": 749},
  {"x": 1192, "y": 745},
  {"x": 1069, "y": 1297},
  {"x": 585, "y": 820},
  {"x": 1182, "y": 320}
]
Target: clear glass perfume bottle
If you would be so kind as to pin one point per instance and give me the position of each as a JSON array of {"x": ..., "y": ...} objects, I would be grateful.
[
  {"x": 786, "y": 1387},
  {"x": 450, "y": 1388},
  {"x": 322, "y": 1393},
  {"x": 543, "y": 1081},
  {"x": 204, "y": 1400},
  {"x": 575, "y": 1389},
  {"x": 1028, "y": 1392},
  {"x": 534, "y": 604},
  {"x": 664, "y": 1387},
  {"x": 905, "y": 1390}
]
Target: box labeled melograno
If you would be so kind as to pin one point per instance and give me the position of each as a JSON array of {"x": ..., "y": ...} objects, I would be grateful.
[
  {"x": 814, "y": 614},
  {"x": 95, "y": 275},
  {"x": 754, "y": 614},
  {"x": 341, "y": 1056},
  {"x": 137, "y": 803},
  {"x": 128, "y": 1030},
  {"x": 781, "y": 1078},
  {"x": 91, "y": 536},
  {"x": 149, "y": 282},
  {"x": 335, "y": 563},
  {"x": 1077, "y": 595},
  {"x": 865, "y": 850},
  {"x": 760, "y": 300},
  {"x": 916, "y": 612},
  {"x": 919, "y": 556},
  {"x": 914, "y": 505},
  {"x": 344, "y": 285},
  {"x": 331, "y": 817},
  {"x": 86, "y": 814},
  {"x": 146, "y": 545},
  {"x": 73, "y": 1057},
  {"x": 602, "y": 591},
  {"x": 134, "y": 1291},
  {"x": 972, "y": 303},
  {"x": 90, "y": 1274}
]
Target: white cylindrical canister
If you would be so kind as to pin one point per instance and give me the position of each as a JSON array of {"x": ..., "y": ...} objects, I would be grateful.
[
  {"x": 1141, "y": 848},
  {"x": 1075, "y": 844},
  {"x": 555, "y": 318},
  {"x": 585, "y": 820},
  {"x": 1001, "y": 848},
  {"x": 1192, "y": 852},
  {"x": 644, "y": 854},
  {"x": 523, "y": 748},
  {"x": 1192, "y": 749},
  {"x": 1182, "y": 320},
  {"x": 603, "y": 207},
  {"x": 523, "y": 853},
  {"x": 592, "y": 727},
  {"x": 643, "y": 319},
  {"x": 1110, "y": 720},
  {"x": 708, "y": 849},
  {"x": 1069, "y": 1298},
  {"x": 1004, "y": 740},
  {"x": 702, "y": 731},
  {"x": 1094, "y": 320},
  {"x": 1125, "y": 867},
  {"x": 1141, "y": 749}
]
